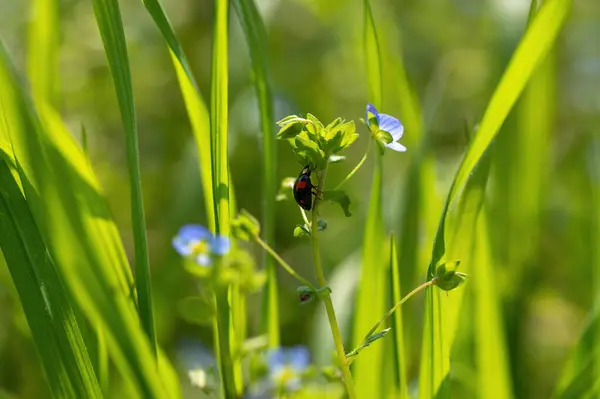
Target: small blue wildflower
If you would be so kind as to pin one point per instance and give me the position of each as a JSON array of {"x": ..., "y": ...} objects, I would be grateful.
[
  {"x": 286, "y": 366},
  {"x": 376, "y": 121},
  {"x": 198, "y": 242}
]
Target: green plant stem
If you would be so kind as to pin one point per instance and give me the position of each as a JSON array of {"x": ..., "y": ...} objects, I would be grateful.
[
  {"x": 283, "y": 263},
  {"x": 335, "y": 328},
  {"x": 356, "y": 168},
  {"x": 388, "y": 314}
]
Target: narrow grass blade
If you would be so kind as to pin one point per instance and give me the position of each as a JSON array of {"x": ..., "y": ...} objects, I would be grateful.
[
  {"x": 490, "y": 342},
  {"x": 221, "y": 191},
  {"x": 44, "y": 42},
  {"x": 68, "y": 207},
  {"x": 195, "y": 104},
  {"x": 454, "y": 240},
  {"x": 256, "y": 37},
  {"x": 49, "y": 313},
  {"x": 400, "y": 381},
  {"x": 370, "y": 304},
  {"x": 534, "y": 46},
  {"x": 580, "y": 376},
  {"x": 108, "y": 17}
]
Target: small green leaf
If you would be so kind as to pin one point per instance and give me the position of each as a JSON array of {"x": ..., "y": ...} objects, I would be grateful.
[
  {"x": 314, "y": 127},
  {"x": 309, "y": 151},
  {"x": 291, "y": 130},
  {"x": 341, "y": 198},
  {"x": 447, "y": 278},
  {"x": 301, "y": 231},
  {"x": 288, "y": 119},
  {"x": 245, "y": 226},
  {"x": 196, "y": 310},
  {"x": 377, "y": 336},
  {"x": 334, "y": 123}
]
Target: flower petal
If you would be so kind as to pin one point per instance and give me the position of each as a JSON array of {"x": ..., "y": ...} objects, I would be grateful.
[
  {"x": 391, "y": 125},
  {"x": 275, "y": 359},
  {"x": 220, "y": 245},
  {"x": 203, "y": 259},
  {"x": 182, "y": 247},
  {"x": 194, "y": 232},
  {"x": 299, "y": 357},
  {"x": 372, "y": 110},
  {"x": 394, "y": 145}
]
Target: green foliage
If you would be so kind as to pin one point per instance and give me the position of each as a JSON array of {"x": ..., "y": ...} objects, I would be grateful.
[
  {"x": 108, "y": 17},
  {"x": 313, "y": 143},
  {"x": 46, "y": 304}
]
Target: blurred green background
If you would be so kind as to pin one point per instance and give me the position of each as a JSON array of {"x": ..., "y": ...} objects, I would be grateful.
[{"x": 541, "y": 206}]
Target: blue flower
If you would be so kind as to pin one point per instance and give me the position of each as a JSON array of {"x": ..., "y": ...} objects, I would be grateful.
[
  {"x": 286, "y": 366},
  {"x": 198, "y": 242},
  {"x": 377, "y": 122}
]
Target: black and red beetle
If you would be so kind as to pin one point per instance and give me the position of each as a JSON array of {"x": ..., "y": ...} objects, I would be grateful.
[{"x": 303, "y": 189}]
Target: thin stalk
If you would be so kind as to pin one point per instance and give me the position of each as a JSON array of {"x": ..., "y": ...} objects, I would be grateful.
[
  {"x": 388, "y": 314},
  {"x": 356, "y": 168},
  {"x": 304, "y": 217},
  {"x": 335, "y": 328},
  {"x": 283, "y": 263}
]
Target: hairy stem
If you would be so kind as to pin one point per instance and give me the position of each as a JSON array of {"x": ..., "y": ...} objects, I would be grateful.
[
  {"x": 356, "y": 168},
  {"x": 388, "y": 314},
  {"x": 335, "y": 329},
  {"x": 283, "y": 263}
]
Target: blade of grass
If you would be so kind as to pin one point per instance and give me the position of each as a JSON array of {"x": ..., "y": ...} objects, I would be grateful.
[
  {"x": 490, "y": 342},
  {"x": 220, "y": 175},
  {"x": 401, "y": 388},
  {"x": 256, "y": 37},
  {"x": 108, "y": 17},
  {"x": 454, "y": 240},
  {"x": 68, "y": 207},
  {"x": 370, "y": 304},
  {"x": 48, "y": 311},
  {"x": 195, "y": 104},
  {"x": 579, "y": 377},
  {"x": 534, "y": 46},
  {"x": 44, "y": 41}
]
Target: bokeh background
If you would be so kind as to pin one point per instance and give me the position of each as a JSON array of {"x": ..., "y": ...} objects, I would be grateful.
[{"x": 540, "y": 202}]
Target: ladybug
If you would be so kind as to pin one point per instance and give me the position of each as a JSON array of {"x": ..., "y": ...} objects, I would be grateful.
[{"x": 303, "y": 189}]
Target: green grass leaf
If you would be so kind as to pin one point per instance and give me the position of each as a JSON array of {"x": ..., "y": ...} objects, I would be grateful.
[
  {"x": 256, "y": 36},
  {"x": 534, "y": 46},
  {"x": 195, "y": 105},
  {"x": 43, "y": 54},
  {"x": 370, "y": 304},
  {"x": 69, "y": 209},
  {"x": 400, "y": 371},
  {"x": 490, "y": 342},
  {"x": 108, "y": 17},
  {"x": 47, "y": 308},
  {"x": 454, "y": 240},
  {"x": 221, "y": 191}
]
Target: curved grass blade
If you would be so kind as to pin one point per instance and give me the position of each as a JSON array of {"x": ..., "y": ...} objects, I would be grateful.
[
  {"x": 48, "y": 311},
  {"x": 68, "y": 207},
  {"x": 534, "y": 46},
  {"x": 195, "y": 104},
  {"x": 221, "y": 192},
  {"x": 44, "y": 41},
  {"x": 490, "y": 343},
  {"x": 400, "y": 379},
  {"x": 256, "y": 37},
  {"x": 370, "y": 304},
  {"x": 454, "y": 240},
  {"x": 108, "y": 17}
]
